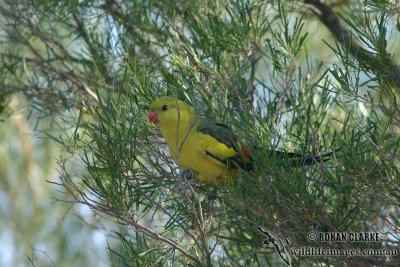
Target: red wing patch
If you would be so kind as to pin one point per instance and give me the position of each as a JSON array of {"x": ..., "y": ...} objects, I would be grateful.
[{"x": 246, "y": 152}]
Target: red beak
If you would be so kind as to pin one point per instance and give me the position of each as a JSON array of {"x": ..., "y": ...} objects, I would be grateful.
[{"x": 153, "y": 117}]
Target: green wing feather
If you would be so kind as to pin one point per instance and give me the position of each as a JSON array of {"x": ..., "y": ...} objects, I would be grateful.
[{"x": 224, "y": 135}]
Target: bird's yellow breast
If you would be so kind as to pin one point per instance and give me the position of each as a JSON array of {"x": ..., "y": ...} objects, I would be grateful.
[{"x": 189, "y": 150}]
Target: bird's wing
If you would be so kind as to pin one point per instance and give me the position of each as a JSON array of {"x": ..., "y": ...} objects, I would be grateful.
[{"x": 221, "y": 144}]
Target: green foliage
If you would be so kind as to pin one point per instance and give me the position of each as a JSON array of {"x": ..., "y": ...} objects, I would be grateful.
[{"x": 261, "y": 67}]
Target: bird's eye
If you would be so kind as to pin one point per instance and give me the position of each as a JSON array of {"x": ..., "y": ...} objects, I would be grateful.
[{"x": 164, "y": 108}]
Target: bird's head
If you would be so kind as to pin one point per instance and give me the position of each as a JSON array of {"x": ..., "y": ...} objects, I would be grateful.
[{"x": 169, "y": 111}]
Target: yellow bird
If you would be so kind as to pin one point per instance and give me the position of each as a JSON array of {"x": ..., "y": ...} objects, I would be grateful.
[{"x": 209, "y": 149}]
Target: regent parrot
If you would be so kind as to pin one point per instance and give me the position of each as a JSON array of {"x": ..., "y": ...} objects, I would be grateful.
[{"x": 209, "y": 149}]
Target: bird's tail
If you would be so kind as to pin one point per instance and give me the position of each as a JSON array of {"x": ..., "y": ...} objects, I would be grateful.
[{"x": 297, "y": 159}]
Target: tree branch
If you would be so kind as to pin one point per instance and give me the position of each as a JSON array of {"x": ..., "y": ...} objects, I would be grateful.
[{"x": 331, "y": 20}]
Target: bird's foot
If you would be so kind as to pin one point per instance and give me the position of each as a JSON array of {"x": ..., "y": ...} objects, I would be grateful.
[
  {"x": 188, "y": 174},
  {"x": 213, "y": 195}
]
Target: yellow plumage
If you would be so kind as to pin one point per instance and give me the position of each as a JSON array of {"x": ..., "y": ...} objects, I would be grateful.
[{"x": 191, "y": 148}]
